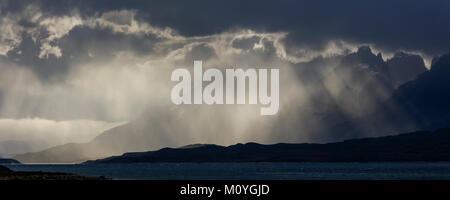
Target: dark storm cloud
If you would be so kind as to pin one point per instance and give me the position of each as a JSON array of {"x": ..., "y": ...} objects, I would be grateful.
[
  {"x": 79, "y": 46},
  {"x": 112, "y": 60},
  {"x": 402, "y": 24},
  {"x": 410, "y": 25},
  {"x": 76, "y": 47},
  {"x": 26, "y": 54},
  {"x": 245, "y": 43},
  {"x": 421, "y": 26},
  {"x": 200, "y": 52},
  {"x": 104, "y": 42}
]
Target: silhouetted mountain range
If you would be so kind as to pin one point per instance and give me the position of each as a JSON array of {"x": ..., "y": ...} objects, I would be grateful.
[
  {"x": 8, "y": 161},
  {"x": 426, "y": 99},
  {"x": 7, "y": 174},
  {"x": 351, "y": 98},
  {"x": 364, "y": 103},
  {"x": 366, "y": 80},
  {"x": 417, "y": 146},
  {"x": 404, "y": 67}
]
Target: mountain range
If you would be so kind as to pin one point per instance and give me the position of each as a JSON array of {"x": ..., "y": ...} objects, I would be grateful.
[
  {"x": 373, "y": 97},
  {"x": 8, "y": 161},
  {"x": 416, "y": 146}
]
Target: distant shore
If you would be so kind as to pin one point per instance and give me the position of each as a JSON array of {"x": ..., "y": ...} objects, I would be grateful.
[
  {"x": 7, "y": 174},
  {"x": 419, "y": 146}
]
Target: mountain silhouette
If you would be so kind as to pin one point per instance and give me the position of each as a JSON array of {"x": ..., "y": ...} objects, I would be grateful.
[
  {"x": 8, "y": 161},
  {"x": 426, "y": 99},
  {"x": 350, "y": 97},
  {"x": 366, "y": 104},
  {"x": 416, "y": 146},
  {"x": 8, "y": 174},
  {"x": 367, "y": 80},
  {"x": 404, "y": 67}
]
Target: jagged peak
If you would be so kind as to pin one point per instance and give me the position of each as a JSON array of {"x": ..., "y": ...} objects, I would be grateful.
[
  {"x": 401, "y": 54},
  {"x": 363, "y": 57},
  {"x": 441, "y": 61},
  {"x": 364, "y": 50},
  {"x": 380, "y": 56},
  {"x": 365, "y": 53}
]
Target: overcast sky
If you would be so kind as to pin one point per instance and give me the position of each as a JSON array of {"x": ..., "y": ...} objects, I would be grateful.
[{"x": 105, "y": 61}]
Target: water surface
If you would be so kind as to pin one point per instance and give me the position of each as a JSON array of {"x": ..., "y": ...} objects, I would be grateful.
[{"x": 254, "y": 171}]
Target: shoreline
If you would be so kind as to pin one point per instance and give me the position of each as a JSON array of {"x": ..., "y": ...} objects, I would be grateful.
[{"x": 8, "y": 174}]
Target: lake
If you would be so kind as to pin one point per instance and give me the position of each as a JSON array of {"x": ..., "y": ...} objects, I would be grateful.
[{"x": 254, "y": 171}]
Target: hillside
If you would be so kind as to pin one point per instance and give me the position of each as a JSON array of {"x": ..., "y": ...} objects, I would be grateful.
[
  {"x": 416, "y": 146},
  {"x": 8, "y": 161}
]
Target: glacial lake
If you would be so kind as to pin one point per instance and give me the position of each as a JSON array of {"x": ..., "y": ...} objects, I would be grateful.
[{"x": 253, "y": 171}]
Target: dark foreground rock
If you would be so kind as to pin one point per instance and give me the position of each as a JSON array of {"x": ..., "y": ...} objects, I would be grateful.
[{"x": 7, "y": 174}]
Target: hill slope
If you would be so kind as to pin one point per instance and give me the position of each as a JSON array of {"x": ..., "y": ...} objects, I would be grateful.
[
  {"x": 8, "y": 161},
  {"x": 416, "y": 146}
]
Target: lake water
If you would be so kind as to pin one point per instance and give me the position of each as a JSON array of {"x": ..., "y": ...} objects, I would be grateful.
[{"x": 254, "y": 171}]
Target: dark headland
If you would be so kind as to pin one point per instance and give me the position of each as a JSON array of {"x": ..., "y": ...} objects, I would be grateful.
[
  {"x": 418, "y": 146},
  {"x": 7, "y": 174},
  {"x": 8, "y": 161}
]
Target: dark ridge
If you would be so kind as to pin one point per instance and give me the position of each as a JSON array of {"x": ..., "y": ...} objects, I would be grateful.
[
  {"x": 8, "y": 174},
  {"x": 426, "y": 99},
  {"x": 415, "y": 146},
  {"x": 8, "y": 161}
]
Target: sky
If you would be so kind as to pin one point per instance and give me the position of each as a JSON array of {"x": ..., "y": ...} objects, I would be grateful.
[{"x": 85, "y": 66}]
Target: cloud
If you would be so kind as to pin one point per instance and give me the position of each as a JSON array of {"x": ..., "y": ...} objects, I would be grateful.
[
  {"x": 56, "y": 27},
  {"x": 10, "y": 35},
  {"x": 110, "y": 61},
  {"x": 47, "y": 49},
  {"x": 411, "y": 25},
  {"x": 391, "y": 25},
  {"x": 310, "y": 28}
]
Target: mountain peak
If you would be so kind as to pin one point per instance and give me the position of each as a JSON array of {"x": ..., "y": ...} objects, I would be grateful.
[
  {"x": 364, "y": 50},
  {"x": 404, "y": 67},
  {"x": 440, "y": 62},
  {"x": 364, "y": 55},
  {"x": 401, "y": 54}
]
